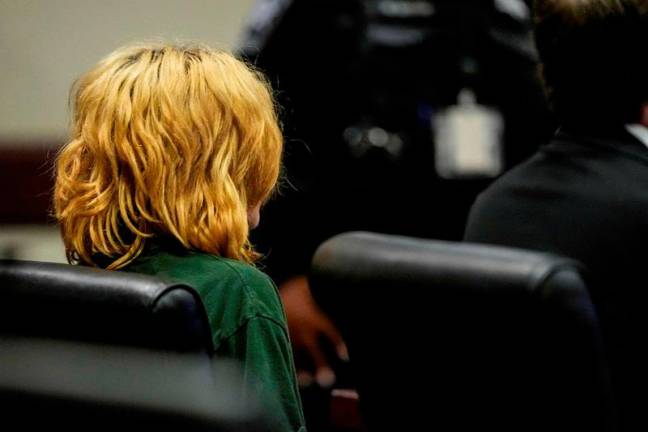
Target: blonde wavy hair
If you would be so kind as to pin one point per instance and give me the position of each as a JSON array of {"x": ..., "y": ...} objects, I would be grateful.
[{"x": 178, "y": 141}]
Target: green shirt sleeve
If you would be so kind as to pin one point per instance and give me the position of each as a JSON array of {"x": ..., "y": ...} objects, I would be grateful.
[
  {"x": 248, "y": 325},
  {"x": 262, "y": 347}
]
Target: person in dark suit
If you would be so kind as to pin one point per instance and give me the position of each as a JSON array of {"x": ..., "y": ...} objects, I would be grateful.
[{"x": 585, "y": 194}]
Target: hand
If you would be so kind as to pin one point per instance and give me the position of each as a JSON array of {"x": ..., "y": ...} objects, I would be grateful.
[{"x": 309, "y": 327}]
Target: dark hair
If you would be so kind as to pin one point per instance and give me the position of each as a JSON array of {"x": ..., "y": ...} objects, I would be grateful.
[{"x": 594, "y": 61}]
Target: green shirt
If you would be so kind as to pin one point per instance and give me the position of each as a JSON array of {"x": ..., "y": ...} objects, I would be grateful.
[{"x": 247, "y": 321}]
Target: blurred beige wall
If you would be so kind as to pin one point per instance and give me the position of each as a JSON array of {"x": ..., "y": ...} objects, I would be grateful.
[{"x": 46, "y": 44}]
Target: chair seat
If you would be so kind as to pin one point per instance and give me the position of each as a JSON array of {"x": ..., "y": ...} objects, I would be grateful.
[{"x": 46, "y": 384}]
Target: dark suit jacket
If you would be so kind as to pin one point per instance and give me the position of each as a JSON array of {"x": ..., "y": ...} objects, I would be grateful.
[{"x": 586, "y": 198}]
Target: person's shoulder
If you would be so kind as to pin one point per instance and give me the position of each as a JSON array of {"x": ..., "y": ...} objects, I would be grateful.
[
  {"x": 243, "y": 280},
  {"x": 187, "y": 266},
  {"x": 214, "y": 275},
  {"x": 251, "y": 277},
  {"x": 513, "y": 192},
  {"x": 517, "y": 176}
]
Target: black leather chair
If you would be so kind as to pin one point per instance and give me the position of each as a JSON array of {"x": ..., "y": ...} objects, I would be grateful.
[
  {"x": 72, "y": 386},
  {"x": 460, "y": 337},
  {"x": 90, "y": 349},
  {"x": 86, "y": 304}
]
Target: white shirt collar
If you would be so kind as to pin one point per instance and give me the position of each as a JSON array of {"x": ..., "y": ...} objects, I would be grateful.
[{"x": 639, "y": 131}]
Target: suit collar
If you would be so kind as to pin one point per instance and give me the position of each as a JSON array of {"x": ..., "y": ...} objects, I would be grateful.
[
  {"x": 639, "y": 131},
  {"x": 617, "y": 140}
]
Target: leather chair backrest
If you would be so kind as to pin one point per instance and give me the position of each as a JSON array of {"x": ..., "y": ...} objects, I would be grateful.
[
  {"x": 62, "y": 301},
  {"x": 465, "y": 337}
]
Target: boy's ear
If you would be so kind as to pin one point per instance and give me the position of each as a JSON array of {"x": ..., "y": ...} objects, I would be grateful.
[{"x": 254, "y": 216}]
